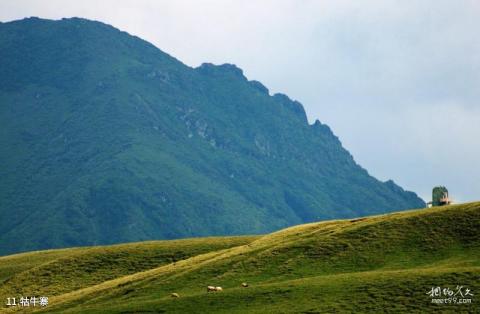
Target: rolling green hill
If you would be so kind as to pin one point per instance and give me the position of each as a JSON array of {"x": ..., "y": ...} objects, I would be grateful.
[
  {"x": 375, "y": 264},
  {"x": 106, "y": 139}
]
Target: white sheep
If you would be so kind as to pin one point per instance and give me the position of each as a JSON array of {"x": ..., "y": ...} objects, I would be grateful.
[{"x": 211, "y": 288}]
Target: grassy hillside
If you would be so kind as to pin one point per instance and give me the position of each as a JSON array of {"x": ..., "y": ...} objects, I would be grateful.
[
  {"x": 55, "y": 272},
  {"x": 374, "y": 264}
]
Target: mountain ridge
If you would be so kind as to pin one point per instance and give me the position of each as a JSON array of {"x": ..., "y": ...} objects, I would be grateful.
[{"x": 107, "y": 139}]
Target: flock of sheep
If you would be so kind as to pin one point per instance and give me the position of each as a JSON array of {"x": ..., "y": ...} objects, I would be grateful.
[
  {"x": 213, "y": 289},
  {"x": 209, "y": 289}
]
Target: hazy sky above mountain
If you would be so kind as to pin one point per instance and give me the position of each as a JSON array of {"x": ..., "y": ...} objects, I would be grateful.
[{"x": 397, "y": 81}]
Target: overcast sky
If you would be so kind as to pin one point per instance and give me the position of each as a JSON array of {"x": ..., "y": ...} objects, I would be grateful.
[{"x": 397, "y": 81}]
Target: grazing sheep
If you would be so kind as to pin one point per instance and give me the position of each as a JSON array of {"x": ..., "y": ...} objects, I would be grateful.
[
  {"x": 244, "y": 284},
  {"x": 175, "y": 295},
  {"x": 211, "y": 288}
]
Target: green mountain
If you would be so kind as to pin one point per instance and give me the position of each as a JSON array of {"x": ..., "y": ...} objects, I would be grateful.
[
  {"x": 105, "y": 139},
  {"x": 379, "y": 264}
]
